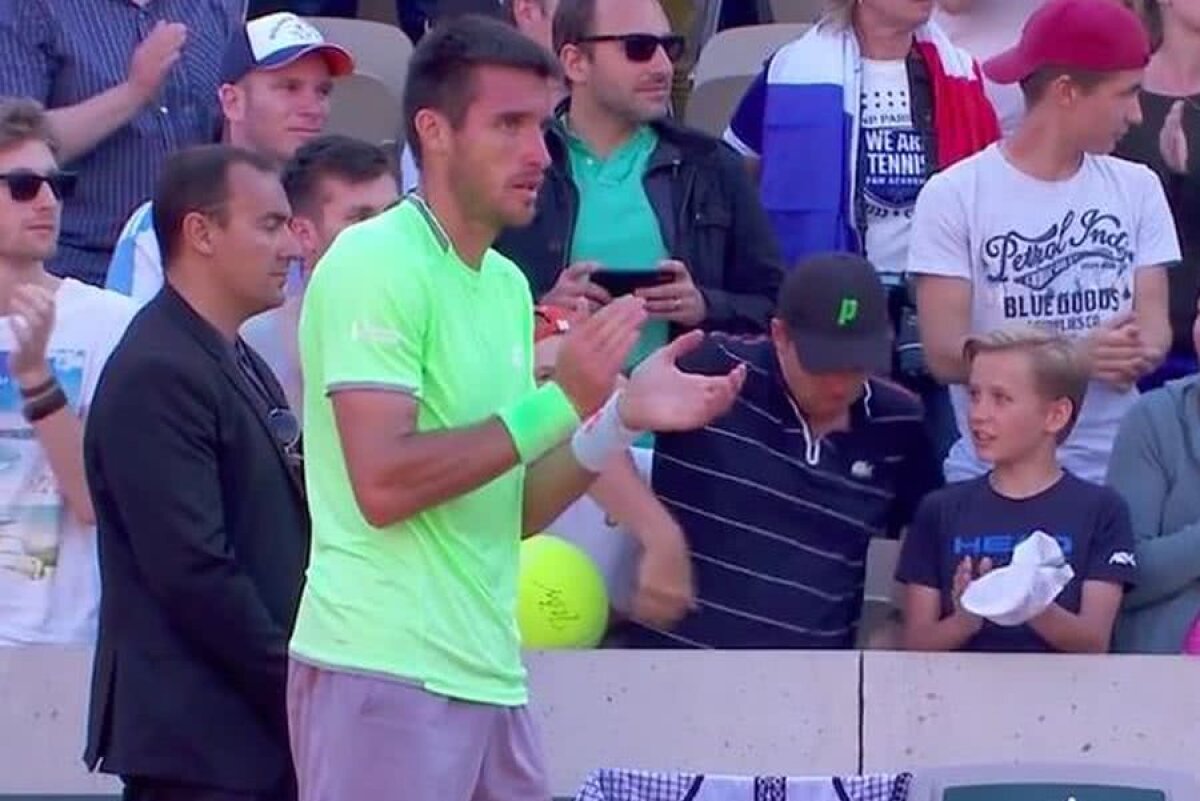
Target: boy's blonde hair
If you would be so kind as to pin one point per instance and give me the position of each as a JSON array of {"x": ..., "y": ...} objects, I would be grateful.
[{"x": 1059, "y": 369}]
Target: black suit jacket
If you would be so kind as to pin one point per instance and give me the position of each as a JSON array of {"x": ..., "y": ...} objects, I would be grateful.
[{"x": 203, "y": 539}]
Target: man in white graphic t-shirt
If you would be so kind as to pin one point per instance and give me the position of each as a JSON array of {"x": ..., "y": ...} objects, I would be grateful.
[
  {"x": 1045, "y": 228},
  {"x": 55, "y": 335}
]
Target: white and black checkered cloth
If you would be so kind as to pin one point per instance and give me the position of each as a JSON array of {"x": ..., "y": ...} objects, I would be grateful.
[{"x": 629, "y": 785}]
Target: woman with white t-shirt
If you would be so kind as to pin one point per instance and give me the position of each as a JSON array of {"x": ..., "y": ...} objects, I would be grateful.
[{"x": 862, "y": 110}]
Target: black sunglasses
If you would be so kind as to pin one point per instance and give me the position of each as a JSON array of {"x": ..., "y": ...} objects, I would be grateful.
[
  {"x": 641, "y": 47},
  {"x": 24, "y": 186},
  {"x": 285, "y": 427}
]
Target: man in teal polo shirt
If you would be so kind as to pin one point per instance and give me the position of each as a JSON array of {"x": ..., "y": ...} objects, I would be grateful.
[
  {"x": 616, "y": 227},
  {"x": 630, "y": 190},
  {"x": 431, "y": 453}
]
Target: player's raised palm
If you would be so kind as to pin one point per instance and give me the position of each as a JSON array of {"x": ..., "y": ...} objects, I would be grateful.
[
  {"x": 661, "y": 397},
  {"x": 594, "y": 351}
]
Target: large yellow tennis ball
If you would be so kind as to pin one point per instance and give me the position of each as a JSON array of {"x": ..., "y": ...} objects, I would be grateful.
[{"x": 561, "y": 598}]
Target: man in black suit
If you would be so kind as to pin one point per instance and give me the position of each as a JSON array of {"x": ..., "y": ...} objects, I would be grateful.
[{"x": 193, "y": 461}]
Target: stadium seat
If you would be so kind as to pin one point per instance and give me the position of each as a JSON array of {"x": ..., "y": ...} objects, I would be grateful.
[
  {"x": 796, "y": 10},
  {"x": 378, "y": 11},
  {"x": 1052, "y": 783},
  {"x": 881, "y": 596},
  {"x": 363, "y": 107},
  {"x": 379, "y": 50},
  {"x": 704, "y": 25},
  {"x": 725, "y": 68},
  {"x": 881, "y": 600}
]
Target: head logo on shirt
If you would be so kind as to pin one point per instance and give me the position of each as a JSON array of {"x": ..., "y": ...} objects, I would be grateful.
[{"x": 847, "y": 312}]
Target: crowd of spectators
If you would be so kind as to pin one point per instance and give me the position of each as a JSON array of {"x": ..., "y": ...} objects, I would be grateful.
[{"x": 280, "y": 405}]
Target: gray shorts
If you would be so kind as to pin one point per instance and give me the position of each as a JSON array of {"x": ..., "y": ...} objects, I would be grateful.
[{"x": 357, "y": 736}]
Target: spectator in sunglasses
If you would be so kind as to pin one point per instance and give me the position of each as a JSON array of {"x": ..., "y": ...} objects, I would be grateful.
[
  {"x": 56, "y": 335},
  {"x": 194, "y": 460},
  {"x": 124, "y": 84},
  {"x": 667, "y": 210}
]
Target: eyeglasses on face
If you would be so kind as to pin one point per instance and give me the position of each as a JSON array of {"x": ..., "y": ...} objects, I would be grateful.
[
  {"x": 641, "y": 47},
  {"x": 24, "y": 185}
]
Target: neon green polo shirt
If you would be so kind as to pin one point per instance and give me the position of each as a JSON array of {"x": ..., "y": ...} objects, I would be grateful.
[
  {"x": 616, "y": 225},
  {"x": 430, "y": 599}
]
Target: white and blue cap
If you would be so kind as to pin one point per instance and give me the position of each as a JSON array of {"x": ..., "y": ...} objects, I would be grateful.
[{"x": 276, "y": 40}]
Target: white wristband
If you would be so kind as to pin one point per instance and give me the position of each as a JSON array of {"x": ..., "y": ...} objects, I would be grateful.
[{"x": 601, "y": 436}]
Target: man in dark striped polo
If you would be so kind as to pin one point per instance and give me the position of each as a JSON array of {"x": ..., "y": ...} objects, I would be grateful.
[
  {"x": 126, "y": 83},
  {"x": 780, "y": 497}
]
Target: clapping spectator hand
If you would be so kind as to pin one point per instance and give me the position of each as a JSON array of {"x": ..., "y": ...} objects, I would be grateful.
[
  {"x": 1172, "y": 141},
  {"x": 964, "y": 574},
  {"x": 1118, "y": 352},
  {"x": 154, "y": 58},
  {"x": 32, "y": 321}
]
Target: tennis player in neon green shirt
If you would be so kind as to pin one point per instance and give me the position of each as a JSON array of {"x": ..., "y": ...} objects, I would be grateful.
[{"x": 430, "y": 452}]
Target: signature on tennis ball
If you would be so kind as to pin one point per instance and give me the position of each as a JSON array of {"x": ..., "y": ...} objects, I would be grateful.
[{"x": 558, "y": 612}]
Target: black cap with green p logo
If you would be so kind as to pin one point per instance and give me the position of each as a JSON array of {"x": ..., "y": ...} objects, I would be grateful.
[{"x": 835, "y": 308}]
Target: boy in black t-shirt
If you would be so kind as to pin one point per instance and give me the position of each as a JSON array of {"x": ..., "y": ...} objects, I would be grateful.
[{"x": 1026, "y": 387}]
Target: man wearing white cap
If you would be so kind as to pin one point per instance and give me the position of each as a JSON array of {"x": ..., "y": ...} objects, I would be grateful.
[{"x": 276, "y": 79}]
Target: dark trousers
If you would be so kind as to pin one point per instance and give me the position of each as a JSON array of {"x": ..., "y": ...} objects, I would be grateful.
[{"x": 158, "y": 790}]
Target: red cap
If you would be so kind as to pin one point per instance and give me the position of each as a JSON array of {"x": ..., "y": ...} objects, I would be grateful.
[
  {"x": 1094, "y": 35},
  {"x": 549, "y": 321}
]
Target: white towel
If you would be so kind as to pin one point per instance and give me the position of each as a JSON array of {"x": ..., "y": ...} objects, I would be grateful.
[{"x": 1016, "y": 594}]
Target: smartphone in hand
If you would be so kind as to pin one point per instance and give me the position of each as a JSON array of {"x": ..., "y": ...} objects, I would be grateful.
[{"x": 626, "y": 282}]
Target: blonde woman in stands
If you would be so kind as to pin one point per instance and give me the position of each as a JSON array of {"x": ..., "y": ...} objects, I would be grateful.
[
  {"x": 864, "y": 108},
  {"x": 1166, "y": 140}
]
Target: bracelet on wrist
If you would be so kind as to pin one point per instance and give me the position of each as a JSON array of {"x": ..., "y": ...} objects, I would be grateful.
[
  {"x": 38, "y": 389},
  {"x": 45, "y": 405}
]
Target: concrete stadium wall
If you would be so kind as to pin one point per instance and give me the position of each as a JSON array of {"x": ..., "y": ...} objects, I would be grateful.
[
  {"x": 740, "y": 713},
  {"x": 935, "y": 710}
]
